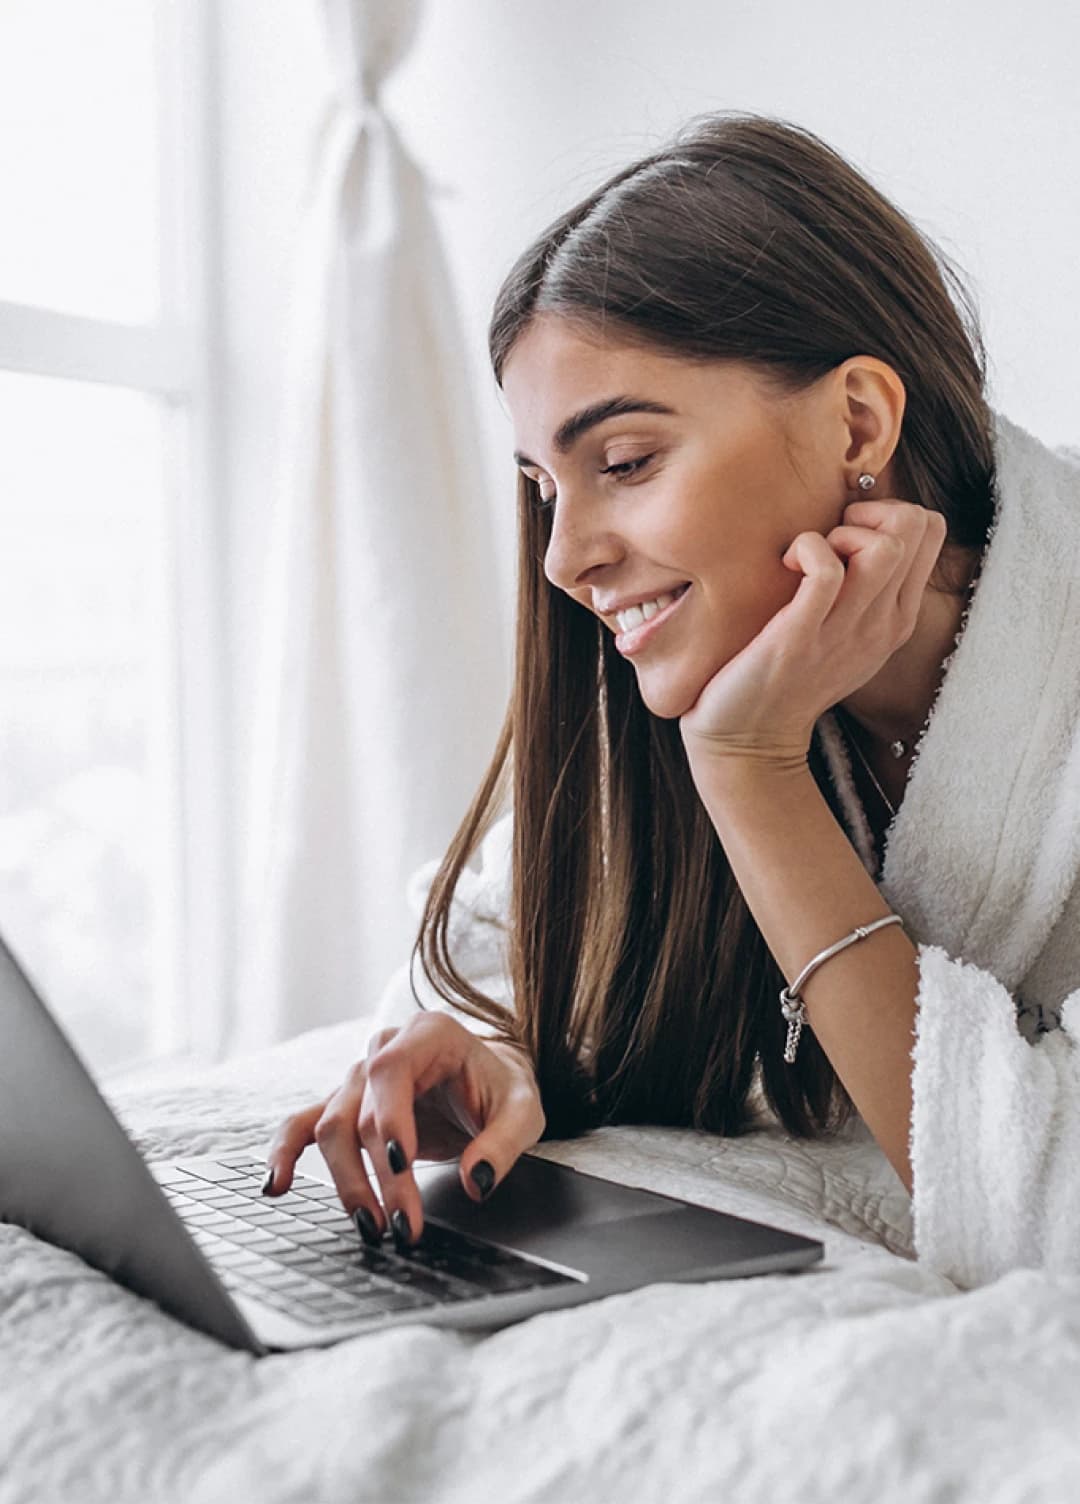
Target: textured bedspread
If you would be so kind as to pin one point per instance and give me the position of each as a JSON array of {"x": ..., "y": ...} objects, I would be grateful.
[{"x": 865, "y": 1378}]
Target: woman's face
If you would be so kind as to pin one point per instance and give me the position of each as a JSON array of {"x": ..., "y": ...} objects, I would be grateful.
[{"x": 713, "y": 492}]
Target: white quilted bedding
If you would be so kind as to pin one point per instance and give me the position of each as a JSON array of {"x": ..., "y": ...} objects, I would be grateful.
[{"x": 866, "y": 1378}]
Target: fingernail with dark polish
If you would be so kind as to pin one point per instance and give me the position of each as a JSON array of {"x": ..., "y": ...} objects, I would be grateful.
[
  {"x": 395, "y": 1154},
  {"x": 268, "y": 1183},
  {"x": 400, "y": 1223},
  {"x": 367, "y": 1227},
  {"x": 482, "y": 1176}
]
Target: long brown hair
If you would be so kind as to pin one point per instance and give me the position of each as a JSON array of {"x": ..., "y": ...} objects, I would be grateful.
[{"x": 643, "y": 989}]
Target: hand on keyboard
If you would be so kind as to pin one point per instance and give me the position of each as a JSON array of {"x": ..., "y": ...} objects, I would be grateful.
[{"x": 403, "y": 1096}]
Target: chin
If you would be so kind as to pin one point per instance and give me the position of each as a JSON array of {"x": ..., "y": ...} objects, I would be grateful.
[{"x": 666, "y": 701}]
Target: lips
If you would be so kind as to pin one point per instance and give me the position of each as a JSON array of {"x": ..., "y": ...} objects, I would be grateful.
[
  {"x": 638, "y": 637},
  {"x": 613, "y": 611}
]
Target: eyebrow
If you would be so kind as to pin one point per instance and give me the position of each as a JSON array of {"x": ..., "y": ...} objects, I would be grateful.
[{"x": 569, "y": 432}]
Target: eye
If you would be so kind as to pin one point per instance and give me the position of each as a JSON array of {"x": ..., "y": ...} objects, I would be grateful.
[
  {"x": 621, "y": 471},
  {"x": 628, "y": 467}
]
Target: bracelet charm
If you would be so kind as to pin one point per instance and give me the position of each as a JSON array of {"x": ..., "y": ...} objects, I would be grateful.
[{"x": 795, "y": 1013}]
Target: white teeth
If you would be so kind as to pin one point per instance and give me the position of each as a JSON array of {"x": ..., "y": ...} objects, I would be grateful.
[{"x": 633, "y": 616}]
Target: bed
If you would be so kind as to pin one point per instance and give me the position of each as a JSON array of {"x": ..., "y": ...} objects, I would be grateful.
[{"x": 863, "y": 1378}]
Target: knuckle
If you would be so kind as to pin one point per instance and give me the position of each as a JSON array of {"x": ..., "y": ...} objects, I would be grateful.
[
  {"x": 356, "y": 1074},
  {"x": 379, "y": 1064},
  {"x": 434, "y": 1019},
  {"x": 328, "y": 1128},
  {"x": 380, "y": 1040}
]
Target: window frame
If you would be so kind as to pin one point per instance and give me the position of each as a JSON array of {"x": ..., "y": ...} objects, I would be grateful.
[{"x": 178, "y": 359}]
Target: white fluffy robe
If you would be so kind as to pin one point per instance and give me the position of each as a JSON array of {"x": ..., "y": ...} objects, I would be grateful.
[{"x": 982, "y": 862}]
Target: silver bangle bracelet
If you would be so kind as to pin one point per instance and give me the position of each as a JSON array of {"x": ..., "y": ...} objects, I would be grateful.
[{"x": 791, "y": 1004}]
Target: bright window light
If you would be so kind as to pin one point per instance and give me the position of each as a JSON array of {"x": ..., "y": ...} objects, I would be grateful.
[
  {"x": 83, "y": 641},
  {"x": 79, "y": 157}
]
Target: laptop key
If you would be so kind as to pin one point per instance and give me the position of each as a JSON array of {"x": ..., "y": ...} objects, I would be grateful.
[
  {"x": 319, "y": 1295},
  {"x": 218, "y": 1174},
  {"x": 310, "y": 1263},
  {"x": 271, "y": 1219},
  {"x": 321, "y": 1211},
  {"x": 347, "y": 1278},
  {"x": 205, "y": 1219},
  {"x": 280, "y": 1279},
  {"x": 227, "y": 1258},
  {"x": 171, "y": 1176},
  {"x": 290, "y": 1202},
  {"x": 295, "y": 1257},
  {"x": 271, "y": 1247},
  {"x": 316, "y": 1190}
]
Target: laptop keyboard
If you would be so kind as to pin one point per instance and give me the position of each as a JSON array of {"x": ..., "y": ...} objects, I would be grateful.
[{"x": 302, "y": 1254}]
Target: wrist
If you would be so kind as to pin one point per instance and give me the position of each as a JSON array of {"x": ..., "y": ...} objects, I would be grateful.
[
  {"x": 717, "y": 770},
  {"x": 783, "y": 752}
]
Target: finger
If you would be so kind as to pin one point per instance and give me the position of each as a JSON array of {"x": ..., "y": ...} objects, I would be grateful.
[
  {"x": 823, "y": 579},
  {"x": 916, "y": 525},
  {"x": 378, "y": 1039},
  {"x": 291, "y": 1139},
  {"x": 879, "y": 512},
  {"x": 927, "y": 553},
  {"x": 432, "y": 1049},
  {"x": 920, "y": 531},
  {"x": 337, "y": 1133},
  {"x": 514, "y": 1127},
  {"x": 880, "y": 553}
]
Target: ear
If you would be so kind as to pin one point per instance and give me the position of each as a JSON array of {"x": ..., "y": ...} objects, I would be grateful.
[{"x": 873, "y": 400}]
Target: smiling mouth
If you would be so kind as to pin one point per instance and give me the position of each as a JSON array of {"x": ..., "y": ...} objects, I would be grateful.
[
  {"x": 632, "y": 617},
  {"x": 635, "y": 637}
]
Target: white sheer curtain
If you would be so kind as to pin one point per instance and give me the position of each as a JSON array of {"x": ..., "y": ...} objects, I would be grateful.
[{"x": 382, "y": 681}]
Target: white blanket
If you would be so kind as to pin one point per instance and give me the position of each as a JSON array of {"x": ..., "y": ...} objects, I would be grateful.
[{"x": 867, "y": 1378}]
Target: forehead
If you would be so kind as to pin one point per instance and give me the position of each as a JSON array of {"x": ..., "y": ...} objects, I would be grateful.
[
  {"x": 556, "y": 361},
  {"x": 557, "y": 368}
]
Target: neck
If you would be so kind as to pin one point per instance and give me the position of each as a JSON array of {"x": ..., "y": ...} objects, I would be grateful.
[{"x": 895, "y": 703}]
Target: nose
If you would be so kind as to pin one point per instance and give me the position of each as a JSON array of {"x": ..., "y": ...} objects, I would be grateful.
[{"x": 579, "y": 543}]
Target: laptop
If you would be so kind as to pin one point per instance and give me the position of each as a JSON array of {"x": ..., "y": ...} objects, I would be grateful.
[{"x": 273, "y": 1274}]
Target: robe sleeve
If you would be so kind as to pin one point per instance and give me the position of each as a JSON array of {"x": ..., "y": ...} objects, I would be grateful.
[
  {"x": 995, "y": 1129},
  {"x": 477, "y": 937}
]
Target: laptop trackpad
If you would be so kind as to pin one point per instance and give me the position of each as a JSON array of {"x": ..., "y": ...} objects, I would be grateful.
[{"x": 537, "y": 1196}]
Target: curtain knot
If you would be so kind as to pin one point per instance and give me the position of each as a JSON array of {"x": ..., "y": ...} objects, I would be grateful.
[{"x": 366, "y": 40}]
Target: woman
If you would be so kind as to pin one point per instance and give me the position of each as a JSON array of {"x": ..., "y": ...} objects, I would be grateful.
[{"x": 758, "y": 477}]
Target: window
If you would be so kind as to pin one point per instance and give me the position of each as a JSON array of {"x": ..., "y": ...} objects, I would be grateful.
[{"x": 112, "y": 859}]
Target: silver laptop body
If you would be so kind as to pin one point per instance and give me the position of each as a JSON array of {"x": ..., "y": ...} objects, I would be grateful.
[{"x": 274, "y": 1274}]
